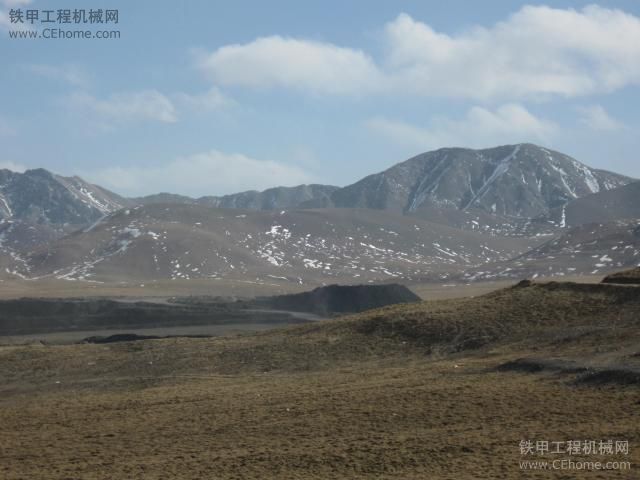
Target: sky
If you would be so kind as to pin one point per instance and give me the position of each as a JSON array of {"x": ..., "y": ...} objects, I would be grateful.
[{"x": 211, "y": 97}]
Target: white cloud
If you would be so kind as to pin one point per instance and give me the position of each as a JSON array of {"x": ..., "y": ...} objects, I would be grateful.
[
  {"x": 286, "y": 62},
  {"x": 117, "y": 109},
  {"x": 209, "y": 173},
  {"x": 13, "y": 166},
  {"x": 126, "y": 107},
  {"x": 480, "y": 127},
  {"x": 597, "y": 118},
  {"x": 71, "y": 74},
  {"x": 537, "y": 51},
  {"x": 212, "y": 99}
]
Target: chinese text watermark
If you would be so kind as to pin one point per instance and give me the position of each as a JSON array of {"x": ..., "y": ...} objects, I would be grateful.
[
  {"x": 58, "y": 23},
  {"x": 560, "y": 455}
]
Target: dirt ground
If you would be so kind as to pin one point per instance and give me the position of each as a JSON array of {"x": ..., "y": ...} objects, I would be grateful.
[
  {"x": 397, "y": 393},
  {"x": 160, "y": 289},
  {"x": 411, "y": 418}
]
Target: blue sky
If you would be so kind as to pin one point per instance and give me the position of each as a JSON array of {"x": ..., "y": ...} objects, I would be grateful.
[{"x": 206, "y": 97}]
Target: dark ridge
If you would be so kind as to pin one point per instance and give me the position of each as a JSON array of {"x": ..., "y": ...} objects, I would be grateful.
[
  {"x": 338, "y": 299},
  {"x": 535, "y": 365},
  {"x": 587, "y": 376},
  {"x": 119, "y": 337},
  {"x": 628, "y": 277},
  {"x": 132, "y": 337},
  {"x": 523, "y": 284},
  {"x": 617, "y": 376},
  {"x": 37, "y": 315},
  {"x": 619, "y": 292}
]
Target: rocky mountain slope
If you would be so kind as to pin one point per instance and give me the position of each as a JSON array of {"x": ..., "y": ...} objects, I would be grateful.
[
  {"x": 41, "y": 197},
  {"x": 622, "y": 203},
  {"x": 38, "y": 207},
  {"x": 515, "y": 180},
  {"x": 521, "y": 181}
]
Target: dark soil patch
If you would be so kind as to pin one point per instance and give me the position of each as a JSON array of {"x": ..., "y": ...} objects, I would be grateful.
[
  {"x": 535, "y": 365},
  {"x": 621, "y": 376},
  {"x": 132, "y": 337},
  {"x": 628, "y": 277},
  {"x": 337, "y": 299}
]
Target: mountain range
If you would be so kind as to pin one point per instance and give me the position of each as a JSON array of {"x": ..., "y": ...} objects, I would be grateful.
[
  {"x": 270, "y": 199},
  {"x": 515, "y": 181},
  {"x": 450, "y": 214}
]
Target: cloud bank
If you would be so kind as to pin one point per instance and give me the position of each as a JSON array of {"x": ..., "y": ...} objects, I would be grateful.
[
  {"x": 208, "y": 173},
  {"x": 536, "y": 52},
  {"x": 126, "y": 107}
]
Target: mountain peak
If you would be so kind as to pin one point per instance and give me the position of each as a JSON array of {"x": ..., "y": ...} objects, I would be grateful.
[
  {"x": 521, "y": 180},
  {"x": 37, "y": 172},
  {"x": 41, "y": 197}
]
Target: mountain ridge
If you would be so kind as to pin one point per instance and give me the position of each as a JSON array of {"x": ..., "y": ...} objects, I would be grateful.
[
  {"x": 451, "y": 214},
  {"x": 522, "y": 180},
  {"x": 270, "y": 199}
]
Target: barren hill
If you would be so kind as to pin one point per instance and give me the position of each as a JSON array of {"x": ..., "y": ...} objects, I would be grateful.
[
  {"x": 309, "y": 247},
  {"x": 589, "y": 249}
]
